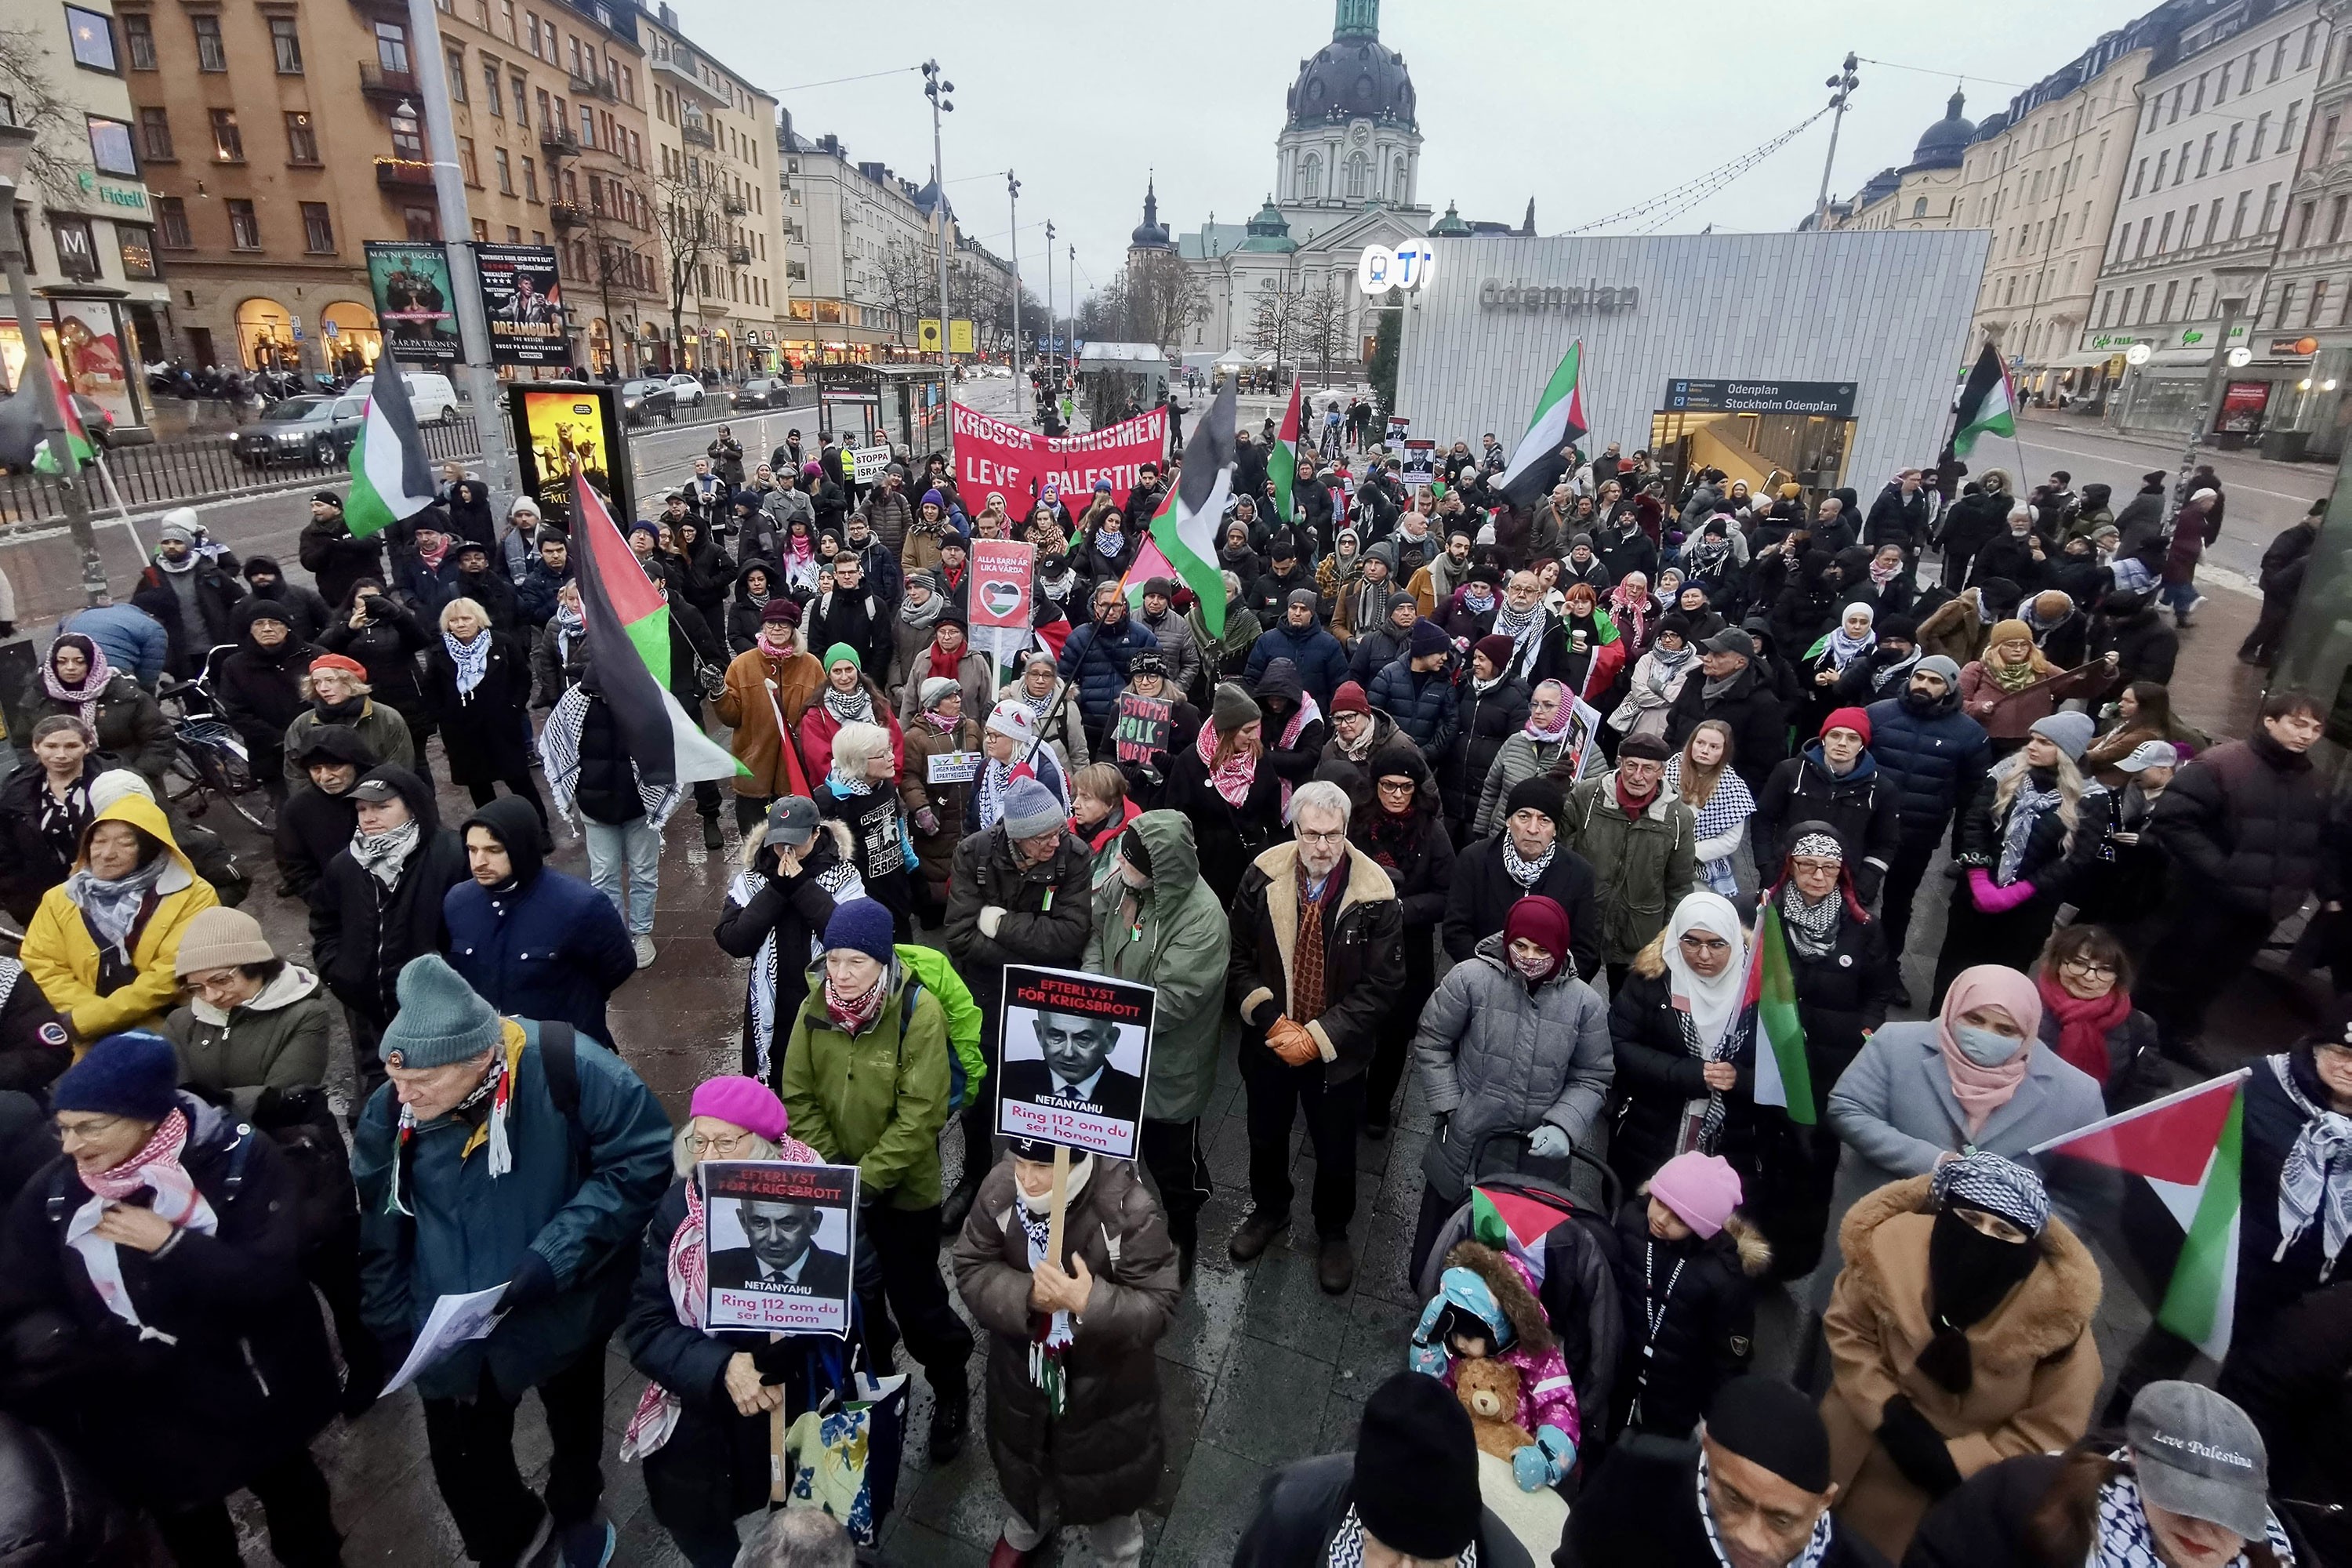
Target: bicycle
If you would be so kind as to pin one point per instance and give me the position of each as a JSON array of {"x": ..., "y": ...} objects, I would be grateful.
[{"x": 210, "y": 759}]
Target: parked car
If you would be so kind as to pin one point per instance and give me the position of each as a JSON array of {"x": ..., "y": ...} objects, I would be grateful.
[
  {"x": 688, "y": 390},
  {"x": 643, "y": 401},
  {"x": 315, "y": 430},
  {"x": 762, "y": 392},
  {"x": 429, "y": 393}
]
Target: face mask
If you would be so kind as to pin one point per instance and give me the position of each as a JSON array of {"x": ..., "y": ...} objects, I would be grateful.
[
  {"x": 1983, "y": 1047},
  {"x": 1534, "y": 968}
]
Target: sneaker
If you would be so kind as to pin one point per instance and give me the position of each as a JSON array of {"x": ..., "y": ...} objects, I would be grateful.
[
  {"x": 1335, "y": 1265},
  {"x": 645, "y": 952},
  {"x": 950, "y": 1418},
  {"x": 589, "y": 1544},
  {"x": 1256, "y": 1232}
]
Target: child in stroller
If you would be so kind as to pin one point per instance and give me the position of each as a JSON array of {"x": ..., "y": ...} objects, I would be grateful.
[{"x": 1485, "y": 1308}]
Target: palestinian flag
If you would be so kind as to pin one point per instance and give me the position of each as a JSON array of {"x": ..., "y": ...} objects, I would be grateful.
[
  {"x": 392, "y": 479},
  {"x": 1149, "y": 562},
  {"x": 1514, "y": 1223},
  {"x": 77, "y": 438},
  {"x": 628, "y": 646},
  {"x": 1986, "y": 406},
  {"x": 1782, "y": 1079},
  {"x": 1282, "y": 463},
  {"x": 2180, "y": 1209},
  {"x": 1185, "y": 529},
  {"x": 1542, "y": 457}
]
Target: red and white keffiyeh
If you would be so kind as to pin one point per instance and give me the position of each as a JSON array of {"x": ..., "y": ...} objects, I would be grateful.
[{"x": 155, "y": 1169}]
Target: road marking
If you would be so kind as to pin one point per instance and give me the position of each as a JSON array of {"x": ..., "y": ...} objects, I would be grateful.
[{"x": 2233, "y": 487}]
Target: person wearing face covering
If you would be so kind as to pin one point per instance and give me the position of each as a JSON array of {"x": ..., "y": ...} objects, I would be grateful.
[{"x": 1960, "y": 1333}]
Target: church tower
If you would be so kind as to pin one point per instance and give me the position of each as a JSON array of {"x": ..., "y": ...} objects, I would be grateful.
[{"x": 1350, "y": 140}]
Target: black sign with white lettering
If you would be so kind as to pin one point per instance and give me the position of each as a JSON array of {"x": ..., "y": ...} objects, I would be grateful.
[{"x": 1835, "y": 398}]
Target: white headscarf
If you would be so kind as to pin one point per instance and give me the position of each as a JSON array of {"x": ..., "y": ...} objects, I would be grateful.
[
  {"x": 1714, "y": 1002},
  {"x": 1844, "y": 647}
]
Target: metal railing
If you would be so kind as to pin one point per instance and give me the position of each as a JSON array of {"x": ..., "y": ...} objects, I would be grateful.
[
  {"x": 404, "y": 172},
  {"x": 375, "y": 82},
  {"x": 199, "y": 469}
]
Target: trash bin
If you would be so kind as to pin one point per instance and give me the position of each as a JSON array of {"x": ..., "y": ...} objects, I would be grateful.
[{"x": 2286, "y": 446}]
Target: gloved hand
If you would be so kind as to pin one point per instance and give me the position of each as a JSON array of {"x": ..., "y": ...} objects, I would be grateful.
[
  {"x": 533, "y": 1282},
  {"x": 1547, "y": 1143},
  {"x": 927, "y": 821},
  {"x": 1995, "y": 900},
  {"x": 776, "y": 1358},
  {"x": 1288, "y": 1039},
  {"x": 989, "y": 919},
  {"x": 1918, "y": 1449},
  {"x": 1543, "y": 1462}
]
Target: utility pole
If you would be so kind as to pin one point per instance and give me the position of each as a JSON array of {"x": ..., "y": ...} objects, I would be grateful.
[
  {"x": 15, "y": 142},
  {"x": 1052, "y": 390},
  {"x": 936, "y": 88},
  {"x": 426, "y": 58},
  {"x": 1841, "y": 88},
  {"x": 1013, "y": 200}
]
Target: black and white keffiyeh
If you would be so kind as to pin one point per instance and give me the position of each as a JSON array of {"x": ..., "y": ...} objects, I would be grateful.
[
  {"x": 840, "y": 879},
  {"x": 1817, "y": 1545},
  {"x": 2125, "y": 1539},
  {"x": 855, "y": 706},
  {"x": 1811, "y": 927},
  {"x": 559, "y": 756},
  {"x": 1984, "y": 1180},
  {"x": 1521, "y": 869},
  {"x": 1348, "y": 1545},
  {"x": 2316, "y": 1182}
]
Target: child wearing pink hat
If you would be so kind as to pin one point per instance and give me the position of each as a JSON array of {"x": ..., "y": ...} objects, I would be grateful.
[{"x": 1689, "y": 1262}]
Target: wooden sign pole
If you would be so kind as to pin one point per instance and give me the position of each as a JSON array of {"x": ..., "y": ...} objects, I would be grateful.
[
  {"x": 780, "y": 1469},
  {"x": 1061, "y": 1194}
]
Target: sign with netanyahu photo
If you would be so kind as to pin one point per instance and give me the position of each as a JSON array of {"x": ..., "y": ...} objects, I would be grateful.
[{"x": 1076, "y": 1053}]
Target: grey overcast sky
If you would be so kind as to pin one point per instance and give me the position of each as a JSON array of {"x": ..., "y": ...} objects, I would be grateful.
[{"x": 1588, "y": 109}]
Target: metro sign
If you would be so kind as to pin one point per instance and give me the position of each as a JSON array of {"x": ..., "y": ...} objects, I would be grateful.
[{"x": 1379, "y": 269}]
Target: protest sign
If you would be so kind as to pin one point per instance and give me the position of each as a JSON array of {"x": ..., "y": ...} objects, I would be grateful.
[
  {"x": 453, "y": 1321},
  {"x": 953, "y": 767},
  {"x": 1399, "y": 429},
  {"x": 1139, "y": 731},
  {"x": 1419, "y": 463},
  {"x": 991, "y": 455},
  {"x": 779, "y": 1237},
  {"x": 1077, "y": 1050},
  {"x": 868, "y": 463},
  {"x": 1583, "y": 725},
  {"x": 1003, "y": 594},
  {"x": 522, "y": 301}
]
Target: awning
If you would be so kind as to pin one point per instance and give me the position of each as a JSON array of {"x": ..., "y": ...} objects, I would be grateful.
[
  {"x": 2085, "y": 358},
  {"x": 2182, "y": 356}
]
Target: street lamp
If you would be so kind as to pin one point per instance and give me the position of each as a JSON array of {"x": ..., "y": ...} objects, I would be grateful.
[
  {"x": 936, "y": 88},
  {"x": 15, "y": 142},
  {"x": 1013, "y": 200}
]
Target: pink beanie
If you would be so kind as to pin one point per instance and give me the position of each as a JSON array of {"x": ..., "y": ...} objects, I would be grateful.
[
  {"x": 744, "y": 1102},
  {"x": 1701, "y": 1189}
]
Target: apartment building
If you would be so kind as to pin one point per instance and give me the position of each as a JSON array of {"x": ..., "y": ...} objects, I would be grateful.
[
  {"x": 860, "y": 253},
  {"x": 85, "y": 220},
  {"x": 277, "y": 138}
]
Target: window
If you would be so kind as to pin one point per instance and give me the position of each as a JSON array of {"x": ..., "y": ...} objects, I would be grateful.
[
  {"x": 2164, "y": 236},
  {"x": 109, "y": 145},
  {"x": 587, "y": 126},
  {"x": 2124, "y": 319},
  {"x": 2107, "y": 304},
  {"x": 2169, "y": 289},
  {"x": 212, "y": 54},
  {"x": 2139, "y": 176},
  {"x": 2221, "y": 86},
  {"x": 286, "y": 43},
  {"x": 76, "y": 251},
  {"x": 2318, "y": 303},
  {"x": 2287, "y": 127},
  {"x": 466, "y": 164},
  {"x": 2278, "y": 60},
  {"x": 155, "y": 134},
  {"x": 2145, "y": 225},
  {"x": 482, "y": 231},
  {"x": 2262, "y": 129},
  {"x": 456, "y": 74},
  {"x": 2180, "y": 170},
  {"x": 514, "y": 235},
  {"x": 507, "y": 21},
  {"x": 2310, "y": 42},
  {"x": 139, "y": 33},
  {"x": 243, "y": 227},
  {"x": 499, "y": 160},
  {"x": 2176, "y": 105},
  {"x": 521, "y": 100},
  {"x": 172, "y": 223},
  {"x": 2286, "y": 303},
  {"x": 2238, "y": 215},
  {"x": 2335, "y": 218},
  {"x": 491, "y": 98},
  {"x": 301, "y": 140},
  {"x": 2205, "y": 156},
  {"x": 422, "y": 223},
  {"x": 1919, "y": 207},
  {"x": 2230, "y": 148},
  {"x": 529, "y": 178},
  {"x": 228, "y": 144},
  {"x": 408, "y": 141},
  {"x": 317, "y": 229},
  {"x": 2303, "y": 224},
  {"x": 2197, "y": 105},
  {"x": 2163, "y": 162},
  {"x": 92, "y": 34},
  {"x": 137, "y": 243},
  {"x": 392, "y": 47}
]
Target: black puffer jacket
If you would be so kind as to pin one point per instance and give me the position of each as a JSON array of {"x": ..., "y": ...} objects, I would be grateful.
[
  {"x": 363, "y": 932},
  {"x": 1420, "y": 701},
  {"x": 1690, "y": 1318},
  {"x": 1417, "y": 855},
  {"x": 742, "y": 612},
  {"x": 1862, "y": 807},
  {"x": 1934, "y": 755},
  {"x": 1484, "y": 721},
  {"x": 485, "y": 730},
  {"x": 1658, "y": 1077},
  {"x": 2055, "y": 858},
  {"x": 2246, "y": 824},
  {"x": 2129, "y": 626},
  {"x": 1759, "y": 723},
  {"x": 1843, "y": 995}
]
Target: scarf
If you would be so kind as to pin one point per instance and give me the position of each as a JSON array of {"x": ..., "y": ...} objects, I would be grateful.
[
  {"x": 1811, "y": 927},
  {"x": 497, "y": 1089},
  {"x": 1308, "y": 713},
  {"x": 1632, "y": 805},
  {"x": 2010, "y": 677},
  {"x": 1050, "y": 1337},
  {"x": 1306, "y": 957},
  {"x": 111, "y": 908},
  {"x": 1558, "y": 730},
  {"x": 1523, "y": 628},
  {"x": 1882, "y": 576},
  {"x": 1348, "y": 1545},
  {"x": 855, "y": 706},
  {"x": 1478, "y": 598},
  {"x": 1521, "y": 869},
  {"x": 1711, "y": 1009},
  {"x": 1232, "y": 780},
  {"x": 842, "y": 783},
  {"x": 1843, "y": 648},
  {"x": 1109, "y": 545},
  {"x": 94, "y": 679},
  {"x": 1632, "y": 615},
  {"x": 383, "y": 855},
  {"x": 926, "y": 616},
  {"x": 1981, "y": 1090},
  {"x": 852, "y": 1014},
  {"x": 2083, "y": 1025},
  {"x": 799, "y": 551},
  {"x": 1058, "y": 589},
  {"x": 64, "y": 817},
  {"x": 559, "y": 758},
  {"x": 779, "y": 651},
  {"x": 994, "y": 780},
  {"x": 1882, "y": 677},
  {"x": 472, "y": 659},
  {"x": 2031, "y": 802},
  {"x": 2316, "y": 1182},
  {"x": 1667, "y": 667},
  {"x": 1714, "y": 688},
  {"x": 155, "y": 1169},
  {"x": 945, "y": 664},
  {"x": 2123, "y": 1539},
  {"x": 434, "y": 557},
  {"x": 1817, "y": 1545}
]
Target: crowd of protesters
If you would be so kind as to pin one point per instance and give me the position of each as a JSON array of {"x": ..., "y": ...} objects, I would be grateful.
[{"x": 1567, "y": 803}]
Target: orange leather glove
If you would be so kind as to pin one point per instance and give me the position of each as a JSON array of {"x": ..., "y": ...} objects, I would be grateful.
[{"x": 1291, "y": 1042}]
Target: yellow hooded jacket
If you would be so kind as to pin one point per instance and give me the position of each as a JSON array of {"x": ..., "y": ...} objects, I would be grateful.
[{"x": 62, "y": 956}]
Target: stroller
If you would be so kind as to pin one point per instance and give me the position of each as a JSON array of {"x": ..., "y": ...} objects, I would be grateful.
[{"x": 1525, "y": 1209}]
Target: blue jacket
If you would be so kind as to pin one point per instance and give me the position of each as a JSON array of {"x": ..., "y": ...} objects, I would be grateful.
[
  {"x": 1420, "y": 701},
  {"x": 546, "y": 945},
  {"x": 1322, "y": 662},
  {"x": 1934, "y": 760},
  {"x": 579, "y": 1192},
  {"x": 1094, "y": 661},
  {"x": 131, "y": 638}
]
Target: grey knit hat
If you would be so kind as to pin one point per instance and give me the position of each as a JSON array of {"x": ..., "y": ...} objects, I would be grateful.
[
  {"x": 441, "y": 1019},
  {"x": 1939, "y": 664},
  {"x": 935, "y": 690},
  {"x": 1030, "y": 809},
  {"x": 1232, "y": 707}
]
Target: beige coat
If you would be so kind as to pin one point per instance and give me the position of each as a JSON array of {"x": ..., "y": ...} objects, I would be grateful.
[{"x": 2036, "y": 1366}]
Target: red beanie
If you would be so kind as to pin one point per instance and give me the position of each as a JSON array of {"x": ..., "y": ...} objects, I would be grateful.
[
  {"x": 1540, "y": 921},
  {"x": 1853, "y": 719},
  {"x": 1497, "y": 648},
  {"x": 1349, "y": 699}
]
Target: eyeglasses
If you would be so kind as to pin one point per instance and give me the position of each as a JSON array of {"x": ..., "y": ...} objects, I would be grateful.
[
  {"x": 701, "y": 1144},
  {"x": 2090, "y": 968},
  {"x": 1692, "y": 941},
  {"x": 1336, "y": 836},
  {"x": 1812, "y": 863},
  {"x": 1396, "y": 786}
]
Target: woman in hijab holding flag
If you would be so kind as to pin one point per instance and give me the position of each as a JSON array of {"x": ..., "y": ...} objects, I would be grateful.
[
  {"x": 1960, "y": 1334},
  {"x": 1685, "y": 1046}
]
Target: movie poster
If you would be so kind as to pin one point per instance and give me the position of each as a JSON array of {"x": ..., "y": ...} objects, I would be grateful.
[
  {"x": 554, "y": 423},
  {"x": 522, "y": 301},
  {"x": 415, "y": 304},
  {"x": 779, "y": 1239},
  {"x": 1076, "y": 1052}
]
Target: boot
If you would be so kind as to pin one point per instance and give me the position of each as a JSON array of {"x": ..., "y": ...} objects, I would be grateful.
[
  {"x": 710, "y": 840},
  {"x": 1335, "y": 1265},
  {"x": 1257, "y": 1233},
  {"x": 950, "y": 1418},
  {"x": 1184, "y": 1230},
  {"x": 958, "y": 1204}
]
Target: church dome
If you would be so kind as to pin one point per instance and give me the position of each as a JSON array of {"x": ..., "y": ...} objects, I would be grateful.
[
  {"x": 1353, "y": 76},
  {"x": 1451, "y": 225},
  {"x": 1942, "y": 143},
  {"x": 1150, "y": 234},
  {"x": 1269, "y": 231}
]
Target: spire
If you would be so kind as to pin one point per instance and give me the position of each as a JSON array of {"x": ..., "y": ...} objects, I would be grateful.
[
  {"x": 1958, "y": 101},
  {"x": 1151, "y": 199},
  {"x": 1356, "y": 18},
  {"x": 1527, "y": 227}
]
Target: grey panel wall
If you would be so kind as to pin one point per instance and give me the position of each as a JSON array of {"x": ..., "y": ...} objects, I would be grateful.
[{"x": 1888, "y": 311}]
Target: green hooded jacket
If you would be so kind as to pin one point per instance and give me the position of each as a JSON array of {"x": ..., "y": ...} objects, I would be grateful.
[
  {"x": 877, "y": 1100},
  {"x": 1174, "y": 935}
]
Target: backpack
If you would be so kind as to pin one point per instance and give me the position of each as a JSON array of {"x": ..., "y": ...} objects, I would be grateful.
[{"x": 967, "y": 1065}]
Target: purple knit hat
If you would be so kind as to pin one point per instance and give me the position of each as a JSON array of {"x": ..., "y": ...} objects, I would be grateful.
[{"x": 744, "y": 1102}]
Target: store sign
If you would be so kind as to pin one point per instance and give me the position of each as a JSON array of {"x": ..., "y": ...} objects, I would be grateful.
[
  {"x": 2117, "y": 341},
  {"x": 2202, "y": 337},
  {"x": 2299, "y": 348},
  {"x": 1833, "y": 399},
  {"x": 1495, "y": 294},
  {"x": 1409, "y": 266}
]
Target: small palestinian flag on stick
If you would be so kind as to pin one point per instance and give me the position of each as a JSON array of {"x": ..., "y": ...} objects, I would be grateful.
[
  {"x": 1185, "y": 527},
  {"x": 1782, "y": 1077},
  {"x": 1540, "y": 459},
  {"x": 1986, "y": 406},
  {"x": 1282, "y": 463},
  {"x": 392, "y": 479},
  {"x": 77, "y": 438}
]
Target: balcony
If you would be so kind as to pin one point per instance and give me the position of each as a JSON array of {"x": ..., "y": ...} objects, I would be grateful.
[
  {"x": 557, "y": 141},
  {"x": 592, "y": 86},
  {"x": 403, "y": 174},
  {"x": 386, "y": 86},
  {"x": 734, "y": 207},
  {"x": 567, "y": 215},
  {"x": 678, "y": 68},
  {"x": 738, "y": 256},
  {"x": 696, "y": 136}
]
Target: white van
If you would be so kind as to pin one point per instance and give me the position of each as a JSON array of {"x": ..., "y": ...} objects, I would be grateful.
[{"x": 429, "y": 393}]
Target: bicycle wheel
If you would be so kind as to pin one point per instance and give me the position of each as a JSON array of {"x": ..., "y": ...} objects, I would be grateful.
[{"x": 230, "y": 776}]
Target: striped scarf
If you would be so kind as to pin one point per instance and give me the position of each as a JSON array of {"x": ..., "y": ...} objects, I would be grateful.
[
  {"x": 1307, "y": 959},
  {"x": 155, "y": 1169}
]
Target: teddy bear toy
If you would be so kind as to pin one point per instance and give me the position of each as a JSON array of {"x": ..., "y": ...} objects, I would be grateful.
[{"x": 1489, "y": 1391}]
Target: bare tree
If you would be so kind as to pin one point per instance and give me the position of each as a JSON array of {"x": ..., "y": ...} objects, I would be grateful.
[
  {"x": 1324, "y": 330},
  {"x": 616, "y": 256},
  {"x": 1274, "y": 325},
  {"x": 910, "y": 278},
  {"x": 690, "y": 215},
  {"x": 1163, "y": 298},
  {"x": 60, "y": 151}
]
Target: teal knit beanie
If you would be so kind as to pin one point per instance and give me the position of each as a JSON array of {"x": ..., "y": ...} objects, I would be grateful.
[{"x": 441, "y": 1019}]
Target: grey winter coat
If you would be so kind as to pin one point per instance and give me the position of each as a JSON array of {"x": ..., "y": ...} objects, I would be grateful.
[
  {"x": 1184, "y": 655},
  {"x": 1174, "y": 936},
  {"x": 1495, "y": 1058},
  {"x": 1520, "y": 758}
]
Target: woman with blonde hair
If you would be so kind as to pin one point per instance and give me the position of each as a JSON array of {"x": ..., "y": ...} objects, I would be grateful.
[
  {"x": 2024, "y": 845},
  {"x": 340, "y": 694},
  {"x": 2012, "y": 685},
  {"x": 478, "y": 688},
  {"x": 1701, "y": 776}
]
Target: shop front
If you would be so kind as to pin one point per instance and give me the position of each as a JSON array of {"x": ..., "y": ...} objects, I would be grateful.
[{"x": 91, "y": 343}]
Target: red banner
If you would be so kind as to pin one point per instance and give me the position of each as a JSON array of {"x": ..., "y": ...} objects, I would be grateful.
[{"x": 992, "y": 456}]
